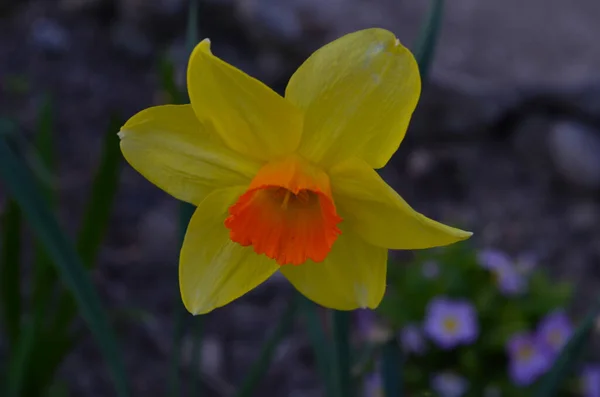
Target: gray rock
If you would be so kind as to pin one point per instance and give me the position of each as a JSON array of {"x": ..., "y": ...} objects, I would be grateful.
[
  {"x": 575, "y": 151},
  {"x": 271, "y": 19},
  {"x": 212, "y": 355},
  {"x": 130, "y": 39},
  {"x": 583, "y": 216},
  {"x": 50, "y": 36}
]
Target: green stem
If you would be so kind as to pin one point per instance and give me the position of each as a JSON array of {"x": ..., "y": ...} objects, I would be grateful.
[
  {"x": 341, "y": 340},
  {"x": 391, "y": 369}
]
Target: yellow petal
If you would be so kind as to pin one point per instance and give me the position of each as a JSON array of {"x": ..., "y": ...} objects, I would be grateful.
[
  {"x": 213, "y": 270},
  {"x": 358, "y": 94},
  {"x": 378, "y": 214},
  {"x": 249, "y": 117},
  {"x": 169, "y": 146},
  {"x": 351, "y": 277}
]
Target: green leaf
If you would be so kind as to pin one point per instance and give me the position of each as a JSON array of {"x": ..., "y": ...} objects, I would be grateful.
[
  {"x": 260, "y": 367},
  {"x": 100, "y": 203},
  {"x": 430, "y": 31},
  {"x": 94, "y": 224},
  {"x": 166, "y": 71},
  {"x": 44, "y": 274},
  {"x": 22, "y": 187},
  {"x": 20, "y": 357},
  {"x": 391, "y": 369},
  {"x": 42, "y": 367},
  {"x": 341, "y": 340},
  {"x": 569, "y": 356},
  {"x": 10, "y": 264},
  {"x": 319, "y": 341}
]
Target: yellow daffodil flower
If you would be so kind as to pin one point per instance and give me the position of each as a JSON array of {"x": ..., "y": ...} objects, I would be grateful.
[{"x": 288, "y": 183}]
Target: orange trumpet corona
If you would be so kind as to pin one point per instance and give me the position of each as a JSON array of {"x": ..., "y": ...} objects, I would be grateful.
[{"x": 287, "y": 213}]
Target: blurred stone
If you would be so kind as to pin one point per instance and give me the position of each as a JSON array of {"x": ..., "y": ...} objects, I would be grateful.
[
  {"x": 575, "y": 151},
  {"x": 271, "y": 20},
  {"x": 212, "y": 355},
  {"x": 420, "y": 162},
  {"x": 131, "y": 40},
  {"x": 584, "y": 216},
  {"x": 50, "y": 36},
  {"x": 455, "y": 112}
]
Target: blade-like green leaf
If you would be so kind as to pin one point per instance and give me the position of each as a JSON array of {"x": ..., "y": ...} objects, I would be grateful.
[
  {"x": 100, "y": 203},
  {"x": 96, "y": 216},
  {"x": 341, "y": 340},
  {"x": 21, "y": 186},
  {"x": 167, "y": 77},
  {"x": 19, "y": 359},
  {"x": 569, "y": 356},
  {"x": 45, "y": 276},
  {"x": 320, "y": 343},
  {"x": 391, "y": 369},
  {"x": 10, "y": 263},
  {"x": 426, "y": 43},
  {"x": 260, "y": 367}
]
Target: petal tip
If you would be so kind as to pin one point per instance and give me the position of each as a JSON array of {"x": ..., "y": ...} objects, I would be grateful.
[
  {"x": 205, "y": 45},
  {"x": 463, "y": 234}
]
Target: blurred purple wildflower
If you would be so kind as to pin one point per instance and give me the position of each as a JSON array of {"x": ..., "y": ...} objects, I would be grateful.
[
  {"x": 590, "y": 381},
  {"x": 412, "y": 340},
  {"x": 509, "y": 280},
  {"x": 430, "y": 269},
  {"x": 449, "y": 384},
  {"x": 451, "y": 322},
  {"x": 554, "y": 331},
  {"x": 528, "y": 358},
  {"x": 373, "y": 385},
  {"x": 366, "y": 321}
]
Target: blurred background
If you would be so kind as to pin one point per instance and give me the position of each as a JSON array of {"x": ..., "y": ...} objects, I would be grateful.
[{"x": 505, "y": 142}]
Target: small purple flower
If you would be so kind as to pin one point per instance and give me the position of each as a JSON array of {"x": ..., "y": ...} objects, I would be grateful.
[
  {"x": 449, "y": 384},
  {"x": 528, "y": 358},
  {"x": 590, "y": 381},
  {"x": 430, "y": 269},
  {"x": 509, "y": 280},
  {"x": 411, "y": 339},
  {"x": 554, "y": 331},
  {"x": 451, "y": 322}
]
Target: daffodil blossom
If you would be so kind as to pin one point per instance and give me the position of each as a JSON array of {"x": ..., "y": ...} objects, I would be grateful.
[{"x": 288, "y": 183}]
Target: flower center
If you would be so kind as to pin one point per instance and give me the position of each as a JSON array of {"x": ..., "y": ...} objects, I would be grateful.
[
  {"x": 450, "y": 325},
  {"x": 525, "y": 353},
  {"x": 287, "y": 213}
]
